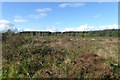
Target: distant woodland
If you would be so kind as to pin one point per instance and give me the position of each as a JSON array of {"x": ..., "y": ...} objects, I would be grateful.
[{"x": 100, "y": 33}]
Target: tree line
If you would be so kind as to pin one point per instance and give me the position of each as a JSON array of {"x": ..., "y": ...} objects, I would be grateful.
[{"x": 100, "y": 33}]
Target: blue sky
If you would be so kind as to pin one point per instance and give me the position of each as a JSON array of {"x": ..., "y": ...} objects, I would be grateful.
[{"x": 60, "y": 15}]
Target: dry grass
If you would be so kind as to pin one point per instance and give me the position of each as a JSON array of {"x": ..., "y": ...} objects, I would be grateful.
[{"x": 60, "y": 56}]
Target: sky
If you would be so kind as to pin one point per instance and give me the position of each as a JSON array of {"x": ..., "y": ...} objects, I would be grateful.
[{"x": 58, "y": 16}]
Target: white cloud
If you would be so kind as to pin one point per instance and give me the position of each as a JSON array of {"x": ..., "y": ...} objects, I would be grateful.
[
  {"x": 63, "y": 5},
  {"x": 96, "y": 16},
  {"x": 19, "y": 19},
  {"x": 49, "y": 28},
  {"x": 84, "y": 27},
  {"x": 44, "y": 10},
  {"x": 91, "y": 28},
  {"x": 16, "y": 29},
  {"x": 37, "y": 16},
  {"x": 105, "y": 0},
  {"x": 58, "y": 23},
  {"x": 52, "y": 29},
  {"x": 5, "y": 25}
]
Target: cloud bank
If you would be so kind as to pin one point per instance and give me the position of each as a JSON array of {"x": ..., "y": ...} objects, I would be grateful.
[
  {"x": 91, "y": 28},
  {"x": 48, "y": 29},
  {"x": 5, "y": 25}
]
